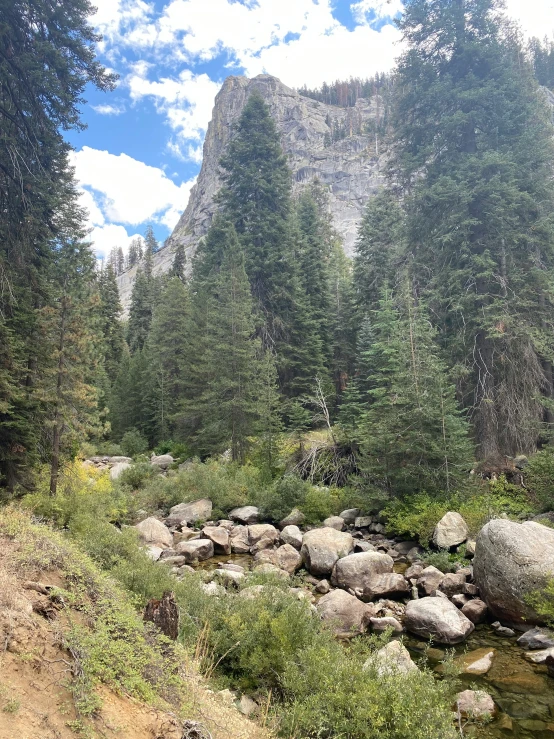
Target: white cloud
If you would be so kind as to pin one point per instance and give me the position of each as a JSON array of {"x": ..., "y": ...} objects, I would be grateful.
[
  {"x": 107, "y": 109},
  {"x": 367, "y": 11},
  {"x": 127, "y": 191},
  {"x": 187, "y": 102},
  {"x": 535, "y": 16},
  {"x": 105, "y": 238}
]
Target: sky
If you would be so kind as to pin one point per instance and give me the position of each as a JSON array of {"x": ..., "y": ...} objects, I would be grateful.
[{"x": 142, "y": 149}]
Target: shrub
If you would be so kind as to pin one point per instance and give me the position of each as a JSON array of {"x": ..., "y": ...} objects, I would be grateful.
[
  {"x": 277, "y": 501},
  {"x": 442, "y": 560},
  {"x": 539, "y": 478},
  {"x": 134, "y": 443},
  {"x": 415, "y": 516},
  {"x": 137, "y": 475},
  {"x": 109, "y": 449}
]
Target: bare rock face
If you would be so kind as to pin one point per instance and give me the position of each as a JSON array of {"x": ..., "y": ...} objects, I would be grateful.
[
  {"x": 351, "y": 168},
  {"x": 438, "y": 619},
  {"x": 360, "y": 571},
  {"x": 345, "y": 613},
  {"x": 511, "y": 561},
  {"x": 321, "y": 548}
]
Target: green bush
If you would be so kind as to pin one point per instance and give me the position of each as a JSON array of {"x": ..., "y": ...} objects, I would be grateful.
[
  {"x": 443, "y": 561},
  {"x": 539, "y": 478},
  {"x": 277, "y": 501},
  {"x": 137, "y": 475},
  {"x": 109, "y": 449},
  {"x": 134, "y": 443},
  {"x": 415, "y": 516}
]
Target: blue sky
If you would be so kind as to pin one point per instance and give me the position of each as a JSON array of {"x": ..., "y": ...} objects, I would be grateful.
[{"x": 141, "y": 152}]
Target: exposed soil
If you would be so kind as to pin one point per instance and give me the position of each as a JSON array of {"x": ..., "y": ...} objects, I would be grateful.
[{"x": 35, "y": 668}]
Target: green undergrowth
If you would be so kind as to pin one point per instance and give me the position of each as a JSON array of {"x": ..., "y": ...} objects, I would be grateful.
[
  {"x": 105, "y": 636},
  {"x": 417, "y": 516},
  {"x": 268, "y": 644}
]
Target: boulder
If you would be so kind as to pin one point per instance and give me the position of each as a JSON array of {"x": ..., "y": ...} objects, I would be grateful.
[
  {"x": 350, "y": 515},
  {"x": 196, "y": 551},
  {"x": 403, "y": 547},
  {"x": 118, "y": 468},
  {"x": 360, "y": 571},
  {"x": 152, "y": 531},
  {"x": 429, "y": 580},
  {"x": 363, "y": 546},
  {"x": 323, "y": 587},
  {"x": 386, "y": 622},
  {"x": 220, "y": 538},
  {"x": 185, "y": 513},
  {"x": 476, "y": 610},
  {"x": 247, "y": 705},
  {"x": 228, "y": 577},
  {"x": 334, "y": 522},
  {"x": 240, "y": 541},
  {"x": 262, "y": 535},
  {"x": 453, "y": 583},
  {"x": 475, "y": 704},
  {"x": 345, "y": 613},
  {"x": 119, "y": 460},
  {"x": 388, "y": 585},
  {"x": 512, "y": 560},
  {"x": 295, "y": 518},
  {"x": 266, "y": 568},
  {"x": 450, "y": 531},
  {"x": 285, "y": 558},
  {"x": 185, "y": 534},
  {"x": 162, "y": 461},
  {"x": 292, "y": 535},
  {"x": 438, "y": 619},
  {"x": 539, "y": 656},
  {"x": 321, "y": 548},
  {"x": 363, "y": 522},
  {"x": 392, "y": 659},
  {"x": 154, "y": 552},
  {"x": 537, "y": 638},
  {"x": 246, "y": 514},
  {"x": 470, "y": 549}
]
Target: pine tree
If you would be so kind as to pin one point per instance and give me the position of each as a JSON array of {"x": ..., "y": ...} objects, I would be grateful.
[
  {"x": 140, "y": 311},
  {"x": 412, "y": 435},
  {"x": 179, "y": 262},
  {"x": 357, "y": 396},
  {"x": 169, "y": 358},
  {"x": 256, "y": 198},
  {"x": 474, "y": 151},
  {"x": 110, "y": 324},
  {"x": 231, "y": 360},
  {"x": 151, "y": 245},
  {"x": 378, "y": 249}
]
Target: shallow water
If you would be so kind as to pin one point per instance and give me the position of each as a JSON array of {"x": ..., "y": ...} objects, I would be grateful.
[{"x": 523, "y": 691}]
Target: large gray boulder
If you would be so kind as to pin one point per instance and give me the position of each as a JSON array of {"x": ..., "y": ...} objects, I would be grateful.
[
  {"x": 118, "y": 468},
  {"x": 285, "y": 558},
  {"x": 220, "y": 537},
  {"x": 153, "y": 532},
  {"x": 240, "y": 541},
  {"x": 450, "y": 531},
  {"x": 163, "y": 461},
  {"x": 387, "y": 585},
  {"x": 262, "y": 536},
  {"x": 513, "y": 560},
  {"x": 321, "y": 548},
  {"x": 346, "y": 614},
  {"x": 199, "y": 510},
  {"x": 359, "y": 571},
  {"x": 438, "y": 619},
  {"x": 196, "y": 551},
  {"x": 295, "y": 518},
  {"x": 292, "y": 535},
  {"x": 245, "y": 514}
]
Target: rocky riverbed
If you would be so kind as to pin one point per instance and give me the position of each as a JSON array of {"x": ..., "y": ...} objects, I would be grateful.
[{"x": 360, "y": 580}]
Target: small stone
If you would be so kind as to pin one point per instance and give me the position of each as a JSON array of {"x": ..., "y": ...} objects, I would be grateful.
[
  {"x": 323, "y": 587},
  {"x": 477, "y": 662},
  {"x": 460, "y": 600},
  {"x": 475, "y": 704},
  {"x": 540, "y": 656},
  {"x": 470, "y": 548},
  {"x": 247, "y": 706},
  {"x": 502, "y": 630}
]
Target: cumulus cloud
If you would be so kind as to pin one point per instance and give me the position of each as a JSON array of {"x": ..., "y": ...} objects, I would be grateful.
[
  {"x": 186, "y": 100},
  {"x": 111, "y": 236},
  {"x": 127, "y": 191},
  {"x": 368, "y": 11},
  {"x": 536, "y": 17}
]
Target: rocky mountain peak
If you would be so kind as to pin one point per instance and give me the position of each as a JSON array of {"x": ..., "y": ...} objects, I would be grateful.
[{"x": 321, "y": 141}]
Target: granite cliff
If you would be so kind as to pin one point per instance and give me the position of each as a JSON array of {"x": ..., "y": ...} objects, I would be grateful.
[{"x": 348, "y": 164}]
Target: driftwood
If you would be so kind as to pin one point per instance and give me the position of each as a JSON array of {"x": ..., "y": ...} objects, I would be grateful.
[{"x": 164, "y": 614}]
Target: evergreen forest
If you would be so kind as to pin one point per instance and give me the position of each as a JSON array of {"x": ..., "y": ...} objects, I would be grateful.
[{"x": 413, "y": 379}]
